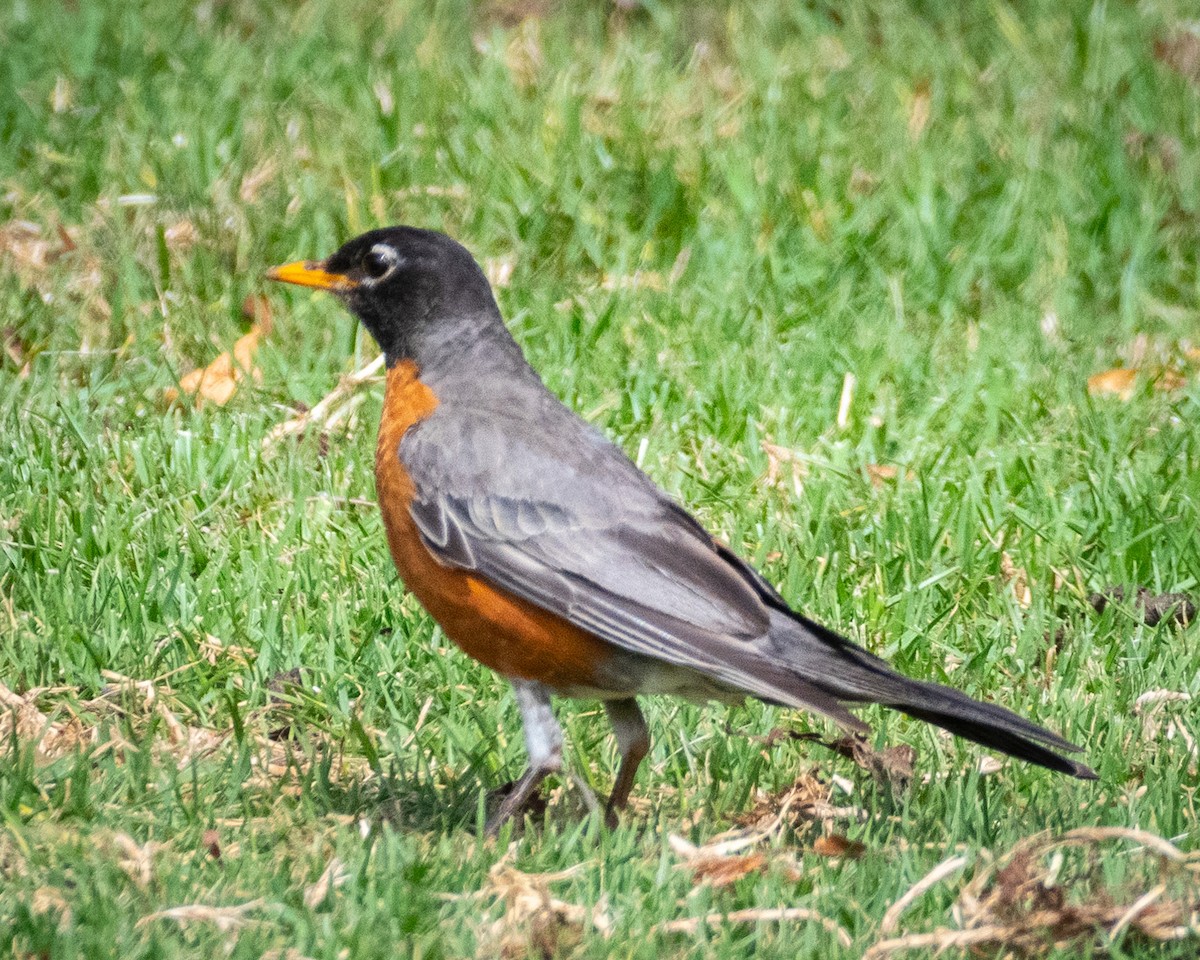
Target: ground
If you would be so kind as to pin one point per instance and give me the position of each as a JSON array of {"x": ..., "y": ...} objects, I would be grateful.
[{"x": 837, "y": 275}]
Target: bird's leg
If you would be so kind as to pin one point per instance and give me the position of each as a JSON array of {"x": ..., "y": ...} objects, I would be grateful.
[
  {"x": 633, "y": 740},
  {"x": 543, "y": 742}
]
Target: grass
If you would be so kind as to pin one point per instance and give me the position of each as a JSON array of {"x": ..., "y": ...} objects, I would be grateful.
[{"x": 713, "y": 217}]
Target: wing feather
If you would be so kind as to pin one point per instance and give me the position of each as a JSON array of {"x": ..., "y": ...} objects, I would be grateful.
[{"x": 638, "y": 572}]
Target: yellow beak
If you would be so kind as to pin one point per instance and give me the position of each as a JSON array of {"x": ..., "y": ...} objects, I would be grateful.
[{"x": 311, "y": 273}]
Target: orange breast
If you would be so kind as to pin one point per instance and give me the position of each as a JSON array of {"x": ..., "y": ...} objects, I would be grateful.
[{"x": 513, "y": 637}]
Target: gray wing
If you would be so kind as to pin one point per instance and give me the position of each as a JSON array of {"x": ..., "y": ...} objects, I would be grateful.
[{"x": 554, "y": 513}]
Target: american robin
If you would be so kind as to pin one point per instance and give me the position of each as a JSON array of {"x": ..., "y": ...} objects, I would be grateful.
[{"x": 546, "y": 554}]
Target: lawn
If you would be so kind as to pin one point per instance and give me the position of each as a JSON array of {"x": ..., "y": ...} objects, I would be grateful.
[{"x": 836, "y": 275}]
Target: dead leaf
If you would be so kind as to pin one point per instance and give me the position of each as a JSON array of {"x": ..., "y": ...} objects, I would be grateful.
[
  {"x": 777, "y": 458},
  {"x": 534, "y": 921},
  {"x": 879, "y": 473},
  {"x": 499, "y": 270},
  {"x": 213, "y": 651},
  {"x": 511, "y": 13},
  {"x": 836, "y": 845},
  {"x": 1146, "y": 146},
  {"x": 50, "y": 900},
  {"x": 456, "y": 191},
  {"x": 334, "y": 875},
  {"x": 1017, "y": 578},
  {"x": 1117, "y": 381},
  {"x": 892, "y": 765},
  {"x": 26, "y": 247},
  {"x": 817, "y": 217},
  {"x": 1053, "y": 893},
  {"x": 1151, "y": 706},
  {"x": 918, "y": 110},
  {"x": 14, "y": 347},
  {"x": 32, "y": 253},
  {"x": 862, "y": 182},
  {"x": 720, "y": 862},
  {"x": 1181, "y": 52},
  {"x": 181, "y": 235},
  {"x": 679, "y": 267},
  {"x": 20, "y": 716},
  {"x": 809, "y": 798},
  {"x": 723, "y": 871},
  {"x": 256, "y": 179},
  {"x": 1167, "y": 380},
  {"x": 219, "y": 381},
  {"x": 137, "y": 860},
  {"x": 523, "y": 54}
]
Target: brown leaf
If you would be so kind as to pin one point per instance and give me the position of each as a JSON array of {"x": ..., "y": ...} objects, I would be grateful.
[
  {"x": 892, "y": 765},
  {"x": 1117, "y": 381},
  {"x": 137, "y": 860},
  {"x": 1056, "y": 892},
  {"x": 777, "y": 458},
  {"x": 20, "y": 717},
  {"x": 219, "y": 381},
  {"x": 723, "y": 871},
  {"x": 511, "y": 13},
  {"x": 1017, "y": 578},
  {"x": 333, "y": 876},
  {"x": 836, "y": 845},
  {"x": 1167, "y": 380},
  {"x": 808, "y": 799},
  {"x": 499, "y": 270},
  {"x": 16, "y": 349},
  {"x": 1181, "y": 52},
  {"x": 918, "y": 110},
  {"x": 256, "y": 179},
  {"x": 181, "y": 235},
  {"x": 50, "y": 900},
  {"x": 534, "y": 921},
  {"x": 257, "y": 309},
  {"x": 26, "y": 247},
  {"x": 862, "y": 182},
  {"x": 523, "y": 54},
  {"x": 880, "y": 473}
]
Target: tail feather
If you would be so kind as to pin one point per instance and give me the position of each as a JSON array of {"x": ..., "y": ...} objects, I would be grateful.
[{"x": 853, "y": 675}]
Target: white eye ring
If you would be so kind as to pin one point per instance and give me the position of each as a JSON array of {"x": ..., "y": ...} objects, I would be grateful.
[{"x": 379, "y": 263}]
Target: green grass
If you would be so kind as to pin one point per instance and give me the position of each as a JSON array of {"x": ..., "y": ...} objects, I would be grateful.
[{"x": 765, "y": 172}]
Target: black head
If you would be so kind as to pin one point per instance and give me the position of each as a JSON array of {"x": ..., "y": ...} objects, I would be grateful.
[{"x": 409, "y": 287}]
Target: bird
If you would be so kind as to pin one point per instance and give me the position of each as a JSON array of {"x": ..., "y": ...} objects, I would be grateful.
[{"x": 546, "y": 554}]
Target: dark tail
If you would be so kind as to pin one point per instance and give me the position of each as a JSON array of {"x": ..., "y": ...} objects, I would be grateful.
[{"x": 853, "y": 675}]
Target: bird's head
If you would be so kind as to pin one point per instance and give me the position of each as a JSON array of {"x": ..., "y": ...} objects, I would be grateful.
[{"x": 405, "y": 284}]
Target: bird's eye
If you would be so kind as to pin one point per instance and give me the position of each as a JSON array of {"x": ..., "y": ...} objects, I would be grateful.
[{"x": 379, "y": 261}]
